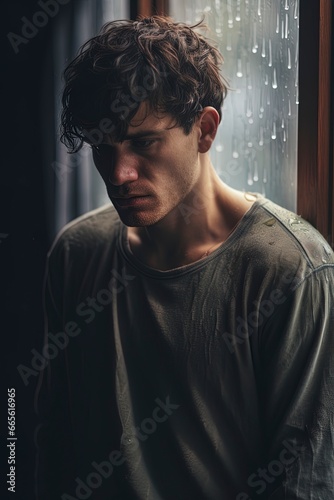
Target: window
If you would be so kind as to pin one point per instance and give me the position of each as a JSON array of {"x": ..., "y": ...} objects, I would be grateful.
[{"x": 256, "y": 145}]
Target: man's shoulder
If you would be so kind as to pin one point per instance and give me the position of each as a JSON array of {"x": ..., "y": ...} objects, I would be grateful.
[
  {"x": 90, "y": 231},
  {"x": 292, "y": 235},
  {"x": 279, "y": 243}
]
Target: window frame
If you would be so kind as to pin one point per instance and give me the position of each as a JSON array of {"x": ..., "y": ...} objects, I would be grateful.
[{"x": 315, "y": 122}]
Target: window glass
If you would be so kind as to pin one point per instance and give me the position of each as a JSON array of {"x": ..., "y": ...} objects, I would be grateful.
[{"x": 256, "y": 146}]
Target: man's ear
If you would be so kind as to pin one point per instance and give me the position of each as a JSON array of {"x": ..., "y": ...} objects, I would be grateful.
[{"x": 208, "y": 123}]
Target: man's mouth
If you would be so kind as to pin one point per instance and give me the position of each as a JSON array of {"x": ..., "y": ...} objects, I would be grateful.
[{"x": 130, "y": 200}]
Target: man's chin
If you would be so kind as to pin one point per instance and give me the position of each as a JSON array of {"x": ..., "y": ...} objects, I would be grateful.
[
  {"x": 135, "y": 219},
  {"x": 144, "y": 213}
]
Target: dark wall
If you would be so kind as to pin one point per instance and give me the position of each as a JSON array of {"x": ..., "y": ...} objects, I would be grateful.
[{"x": 24, "y": 231}]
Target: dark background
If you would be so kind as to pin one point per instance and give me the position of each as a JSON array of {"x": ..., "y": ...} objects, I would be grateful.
[
  {"x": 26, "y": 212},
  {"x": 23, "y": 218}
]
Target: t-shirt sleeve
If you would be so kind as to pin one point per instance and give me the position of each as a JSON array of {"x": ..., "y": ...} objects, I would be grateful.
[{"x": 296, "y": 384}]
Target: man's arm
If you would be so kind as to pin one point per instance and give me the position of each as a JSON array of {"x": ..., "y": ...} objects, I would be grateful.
[
  {"x": 55, "y": 458},
  {"x": 297, "y": 392}
]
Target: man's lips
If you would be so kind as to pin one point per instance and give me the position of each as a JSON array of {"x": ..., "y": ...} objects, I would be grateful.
[
  {"x": 132, "y": 200},
  {"x": 126, "y": 197}
]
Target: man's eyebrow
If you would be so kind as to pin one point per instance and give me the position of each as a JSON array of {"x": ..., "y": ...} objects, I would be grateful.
[{"x": 143, "y": 133}]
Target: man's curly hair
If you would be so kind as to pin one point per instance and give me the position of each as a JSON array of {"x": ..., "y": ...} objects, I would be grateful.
[{"x": 166, "y": 64}]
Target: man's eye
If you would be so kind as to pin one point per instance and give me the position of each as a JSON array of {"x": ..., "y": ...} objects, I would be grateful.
[
  {"x": 101, "y": 149},
  {"x": 142, "y": 144}
]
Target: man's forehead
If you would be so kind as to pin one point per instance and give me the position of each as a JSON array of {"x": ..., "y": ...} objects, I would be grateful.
[
  {"x": 146, "y": 122},
  {"x": 148, "y": 118}
]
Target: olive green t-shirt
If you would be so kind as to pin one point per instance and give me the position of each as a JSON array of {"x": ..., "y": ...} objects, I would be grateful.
[{"x": 210, "y": 381}]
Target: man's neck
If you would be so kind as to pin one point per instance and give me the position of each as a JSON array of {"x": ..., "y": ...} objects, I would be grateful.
[{"x": 195, "y": 228}]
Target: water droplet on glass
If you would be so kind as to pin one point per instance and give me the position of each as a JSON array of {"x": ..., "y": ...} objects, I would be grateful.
[
  {"x": 284, "y": 136},
  {"x": 219, "y": 148},
  {"x": 286, "y": 5},
  {"x": 264, "y": 178},
  {"x": 229, "y": 41},
  {"x": 261, "y": 100},
  {"x": 277, "y": 22},
  {"x": 263, "y": 51},
  {"x": 230, "y": 23},
  {"x": 261, "y": 137},
  {"x": 237, "y": 15},
  {"x": 297, "y": 95},
  {"x": 239, "y": 71},
  {"x": 256, "y": 174},
  {"x": 255, "y": 44},
  {"x": 289, "y": 58},
  {"x": 273, "y": 132},
  {"x": 235, "y": 153},
  {"x": 274, "y": 81},
  {"x": 286, "y": 32},
  {"x": 270, "y": 59}
]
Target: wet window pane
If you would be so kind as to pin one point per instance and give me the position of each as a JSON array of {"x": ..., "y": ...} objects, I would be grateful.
[{"x": 256, "y": 146}]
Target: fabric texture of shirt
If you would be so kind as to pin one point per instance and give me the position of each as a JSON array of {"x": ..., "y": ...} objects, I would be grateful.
[{"x": 211, "y": 381}]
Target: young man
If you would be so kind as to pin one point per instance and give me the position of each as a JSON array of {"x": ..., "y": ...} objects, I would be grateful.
[{"x": 190, "y": 325}]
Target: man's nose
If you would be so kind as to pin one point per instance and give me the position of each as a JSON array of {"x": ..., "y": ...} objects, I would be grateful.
[{"x": 123, "y": 168}]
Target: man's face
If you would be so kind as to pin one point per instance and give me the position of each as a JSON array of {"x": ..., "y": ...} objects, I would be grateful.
[{"x": 152, "y": 170}]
